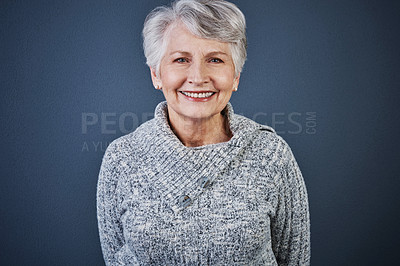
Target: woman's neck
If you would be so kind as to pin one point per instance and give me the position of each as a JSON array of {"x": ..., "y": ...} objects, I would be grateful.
[{"x": 199, "y": 132}]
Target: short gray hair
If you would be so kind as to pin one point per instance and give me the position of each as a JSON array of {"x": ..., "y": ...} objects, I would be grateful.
[{"x": 209, "y": 19}]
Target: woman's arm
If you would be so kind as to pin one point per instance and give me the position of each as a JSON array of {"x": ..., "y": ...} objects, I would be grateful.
[
  {"x": 290, "y": 227},
  {"x": 108, "y": 212}
]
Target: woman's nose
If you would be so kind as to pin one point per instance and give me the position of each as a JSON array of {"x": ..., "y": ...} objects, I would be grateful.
[{"x": 198, "y": 73}]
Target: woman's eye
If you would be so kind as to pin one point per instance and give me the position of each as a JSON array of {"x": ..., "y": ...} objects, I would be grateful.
[
  {"x": 216, "y": 60},
  {"x": 181, "y": 60}
]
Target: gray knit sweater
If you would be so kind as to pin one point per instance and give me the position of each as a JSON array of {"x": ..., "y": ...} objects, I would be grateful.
[{"x": 241, "y": 202}]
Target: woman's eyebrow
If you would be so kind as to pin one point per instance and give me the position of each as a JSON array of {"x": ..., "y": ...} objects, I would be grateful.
[
  {"x": 214, "y": 53},
  {"x": 179, "y": 52}
]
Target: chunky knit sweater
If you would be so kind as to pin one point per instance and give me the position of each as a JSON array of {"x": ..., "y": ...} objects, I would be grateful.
[{"x": 240, "y": 202}]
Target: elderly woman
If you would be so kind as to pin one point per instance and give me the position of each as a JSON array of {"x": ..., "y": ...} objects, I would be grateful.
[{"x": 198, "y": 184}]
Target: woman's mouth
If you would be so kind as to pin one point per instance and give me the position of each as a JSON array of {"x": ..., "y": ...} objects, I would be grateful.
[{"x": 198, "y": 95}]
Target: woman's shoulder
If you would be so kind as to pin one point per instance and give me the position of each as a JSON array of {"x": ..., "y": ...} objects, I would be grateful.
[
  {"x": 265, "y": 141},
  {"x": 129, "y": 145},
  {"x": 263, "y": 134}
]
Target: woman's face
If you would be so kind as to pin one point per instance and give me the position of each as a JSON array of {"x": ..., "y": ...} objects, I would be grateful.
[{"x": 197, "y": 76}]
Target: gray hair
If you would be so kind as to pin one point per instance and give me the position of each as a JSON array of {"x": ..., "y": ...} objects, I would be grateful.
[{"x": 209, "y": 19}]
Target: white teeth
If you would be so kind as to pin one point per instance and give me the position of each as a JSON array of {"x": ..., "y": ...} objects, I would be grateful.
[{"x": 198, "y": 95}]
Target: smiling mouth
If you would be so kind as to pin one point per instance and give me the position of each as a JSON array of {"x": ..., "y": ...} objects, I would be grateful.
[{"x": 200, "y": 95}]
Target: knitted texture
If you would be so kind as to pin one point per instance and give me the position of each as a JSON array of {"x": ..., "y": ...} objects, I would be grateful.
[{"x": 241, "y": 202}]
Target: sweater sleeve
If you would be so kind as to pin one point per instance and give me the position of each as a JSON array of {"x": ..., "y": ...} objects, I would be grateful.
[
  {"x": 115, "y": 252},
  {"x": 290, "y": 227}
]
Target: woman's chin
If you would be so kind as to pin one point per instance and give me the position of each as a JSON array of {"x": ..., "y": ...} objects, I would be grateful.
[
  {"x": 197, "y": 115},
  {"x": 196, "y": 112}
]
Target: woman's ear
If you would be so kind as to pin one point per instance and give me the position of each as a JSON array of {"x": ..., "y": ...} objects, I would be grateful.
[
  {"x": 155, "y": 79},
  {"x": 236, "y": 83}
]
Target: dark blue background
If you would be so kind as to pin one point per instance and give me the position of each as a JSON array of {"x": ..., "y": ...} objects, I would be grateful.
[{"x": 61, "y": 60}]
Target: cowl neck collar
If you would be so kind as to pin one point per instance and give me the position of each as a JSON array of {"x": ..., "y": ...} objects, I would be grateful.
[{"x": 179, "y": 172}]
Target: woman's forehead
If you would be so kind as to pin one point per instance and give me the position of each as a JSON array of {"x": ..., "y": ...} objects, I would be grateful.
[{"x": 180, "y": 40}]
